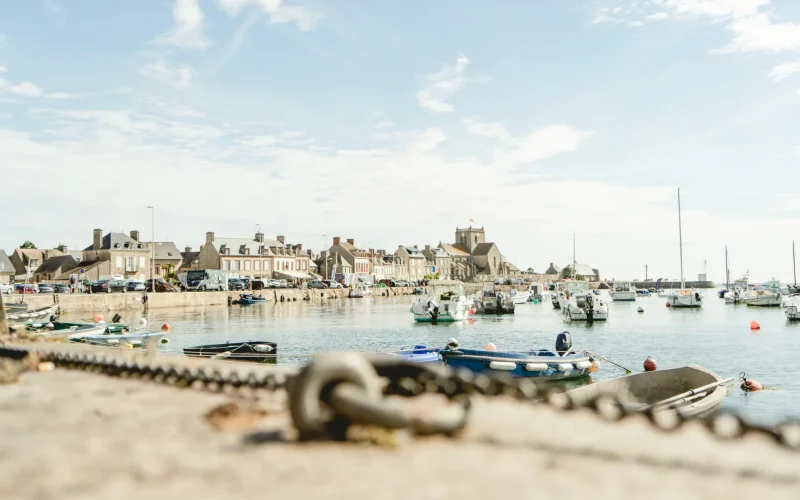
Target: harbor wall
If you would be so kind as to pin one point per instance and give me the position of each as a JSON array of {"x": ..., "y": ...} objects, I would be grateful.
[{"x": 675, "y": 284}]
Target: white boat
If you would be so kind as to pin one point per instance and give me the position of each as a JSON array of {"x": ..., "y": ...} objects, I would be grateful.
[
  {"x": 736, "y": 293},
  {"x": 518, "y": 297},
  {"x": 622, "y": 291},
  {"x": 577, "y": 301},
  {"x": 775, "y": 286},
  {"x": 762, "y": 298},
  {"x": 446, "y": 302},
  {"x": 492, "y": 301},
  {"x": 359, "y": 291},
  {"x": 791, "y": 307},
  {"x": 684, "y": 297}
]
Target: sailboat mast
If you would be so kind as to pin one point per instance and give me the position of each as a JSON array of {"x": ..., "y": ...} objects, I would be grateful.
[
  {"x": 680, "y": 237},
  {"x": 727, "y": 272},
  {"x": 574, "y": 274},
  {"x": 794, "y": 264}
]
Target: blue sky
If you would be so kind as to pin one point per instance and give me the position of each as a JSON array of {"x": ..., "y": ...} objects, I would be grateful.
[{"x": 394, "y": 122}]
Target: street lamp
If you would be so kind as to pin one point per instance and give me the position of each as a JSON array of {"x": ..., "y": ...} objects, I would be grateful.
[
  {"x": 327, "y": 271},
  {"x": 153, "y": 250}
]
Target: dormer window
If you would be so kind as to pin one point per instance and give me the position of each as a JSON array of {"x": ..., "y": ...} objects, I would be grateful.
[{"x": 116, "y": 245}]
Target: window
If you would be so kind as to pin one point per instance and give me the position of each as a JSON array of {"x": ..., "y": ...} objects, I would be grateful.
[
  {"x": 235, "y": 265},
  {"x": 158, "y": 269},
  {"x": 141, "y": 262},
  {"x": 247, "y": 265},
  {"x": 257, "y": 265},
  {"x": 119, "y": 261},
  {"x": 226, "y": 265},
  {"x": 476, "y": 239}
]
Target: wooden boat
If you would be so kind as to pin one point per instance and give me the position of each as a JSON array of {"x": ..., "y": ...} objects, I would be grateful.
[
  {"x": 125, "y": 339},
  {"x": 692, "y": 390},
  {"x": 57, "y": 326},
  {"x": 256, "y": 351},
  {"x": 73, "y": 333},
  {"x": 247, "y": 298},
  {"x": 541, "y": 364},
  {"x": 419, "y": 354},
  {"x": 44, "y": 312}
]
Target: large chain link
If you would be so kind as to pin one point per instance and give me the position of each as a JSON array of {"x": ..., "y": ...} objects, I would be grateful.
[{"x": 335, "y": 391}]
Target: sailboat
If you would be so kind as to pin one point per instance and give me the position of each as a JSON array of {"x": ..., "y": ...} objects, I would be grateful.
[
  {"x": 685, "y": 297},
  {"x": 791, "y": 303},
  {"x": 727, "y": 277}
]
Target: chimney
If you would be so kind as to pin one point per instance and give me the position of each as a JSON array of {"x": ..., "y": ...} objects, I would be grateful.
[
  {"x": 62, "y": 248},
  {"x": 336, "y": 240},
  {"x": 427, "y": 248},
  {"x": 260, "y": 237},
  {"x": 282, "y": 239},
  {"x": 351, "y": 241},
  {"x": 187, "y": 249},
  {"x": 299, "y": 247},
  {"x": 135, "y": 235},
  {"x": 209, "y": 237},
  {"x": 97, "y": 242}
]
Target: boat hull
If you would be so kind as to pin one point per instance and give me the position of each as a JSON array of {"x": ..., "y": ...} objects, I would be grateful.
[
  {"x": 791, "y": 307},
  {"x": 419, "y": 354},
  {"x": 623, "y": 296},
  {"x": 236, "y": 351},
  {"x": 135, "y": 339},
  {"x": 44, "y": 312},
  {"x": 540, "y": 367},
  {"x": 687, "y": 300}
]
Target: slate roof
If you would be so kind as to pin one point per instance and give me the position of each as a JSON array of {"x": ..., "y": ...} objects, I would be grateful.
[
  {"x": 483, "y": 248},
  {"x": 413, "y": 252},
  {"x": 553, "y": 269},
  {"x": 238, "y": 245},
  {"x": 189, "y": 258},
  {"x": 118, "y": 241},
  {"x": 56, "y": 264},
  {"x": 85, "y": 265},
  {"x": 456, "y": 249},
  {"x": 167, "y": 250},
  {"x": 5, "y": 263}
]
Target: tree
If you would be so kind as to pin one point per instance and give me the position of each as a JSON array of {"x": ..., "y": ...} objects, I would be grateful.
[
  {"x": 169, "y": 272},
  {"x": 529, "y": 270},
  {"x": 28, "y": 244},
  {"x": 434, "y": 276},
  {"x": 567, "y": 273}
]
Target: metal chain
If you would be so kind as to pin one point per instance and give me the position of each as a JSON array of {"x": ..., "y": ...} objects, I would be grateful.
[{"x": 336, "y": 390}]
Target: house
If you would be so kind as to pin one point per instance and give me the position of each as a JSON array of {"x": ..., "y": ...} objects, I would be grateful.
[
  {"x": 167, "y": 258},
  {"x": 189, "y": 260},
  {"x": 115, "y": 254},
  {"x": 53, "y": 267},
  {"x": 439, "y": 261},
  {"x": 411, "y": 261},
  {"x": 255, "y": 257},
  {"x": 7, "y": 270},
  {"x": 358, "y": 260},
  {"x": 27, "y": 260},
  {"x": 473, "y": 256},
  {"x": 585, "y": 270},
  {"x": 553, "y": 269},
  {"x": 460, "y": 261}
]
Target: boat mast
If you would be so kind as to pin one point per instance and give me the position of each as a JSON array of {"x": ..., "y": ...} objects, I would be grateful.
[
  {"x": 794, "y": 264},
  {"x": 727, "y": 272},
  {"x": 574, "y": 274},
  {"x": 680, "y": 238}
]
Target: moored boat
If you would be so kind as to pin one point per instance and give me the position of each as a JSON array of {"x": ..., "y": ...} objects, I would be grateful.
[
  {"x": 57, "y": 326},
  {"x": 121, "y": 340},
  {"x": 419, "y": 354},
  {"x": 44, "y": 312},
  {"x": 446, "y": 302},
  {"x": 622, "y": 291},
  {"x": 762, "y": 298},
  {"x": 541, "y": 364},
  {"x": 518, "y": 297},
  {"x": 492, "y": 301},
  {"x": 257, "y": 351},
  {"x": 685, "y": 297},
  {"x": 247, "y": 299},
  {"x": 692, "y": 391},
  {"x": 791, "y": 307}
]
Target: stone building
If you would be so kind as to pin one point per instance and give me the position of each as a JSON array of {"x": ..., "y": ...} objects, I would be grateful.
[
  {"x": 471, "y": 256},
  {"x": 53, "y": 267},
  {"x": 166, "y": 257},
  {"x": 27, "y": 260},
  {"x": 438, "y": 260},
  {"x": 346, "y": 251},
  {"x": 189, "y": 260},
  {"x": 256, "y": 258},
  {"x": 7, "y": 270},
  {"x": 410, "y": 263},
  {"x": 120, "y": 254}
]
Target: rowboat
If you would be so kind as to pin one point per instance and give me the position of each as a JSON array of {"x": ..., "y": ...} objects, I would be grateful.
[
  {"x": 541, "y": 364},
  {"x": 247, "y": 298},
  {"x": 73, "y": 333},
  {"x": 692, "y": 391},
  {"x": 58, "y": 326},
  {"x": 256, "y": 351},
  {"x": 44, "y": 312},
  {"x": 419, "y": 354},
  {"x": 125, "y": 339}
]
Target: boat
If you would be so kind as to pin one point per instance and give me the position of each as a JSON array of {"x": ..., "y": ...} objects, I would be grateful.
[
  {"x": 446, "y": 302},
  {"x": 577, "y": 303},
  {"x": 358, "y": 291},
  {"x": 684, "y": 297},
  {"x": 74, "y": 332},
  {"x": 642, "y": 293},
  {"x": 692, "y": 391},
  {"x": 492, "y": 301},
  {"x": 721, "y": 293},
  {"x": 762, "y": 298},
  {"x": 119, "y": 340},
  {"x": 257, "y": 351},
  {"x": 775, "y": 286},
  {"x": 57, "y": 326},
  {"x": 247, "y": 298},
  {"x": 43, "y": 312},
  {"x": 540, "y": 364},
  {"x": 736, "y": 293},
  {"x": 518, "y": 297},
  {"x": 419, "y": 354},
  {"x": 791, "y": 307},
  {"x": 622, "y": 291}
]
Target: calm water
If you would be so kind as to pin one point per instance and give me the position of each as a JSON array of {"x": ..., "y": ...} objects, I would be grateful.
[{"x": 718, "y": 337}]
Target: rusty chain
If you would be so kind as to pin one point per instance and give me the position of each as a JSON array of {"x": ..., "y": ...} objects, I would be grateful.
[{"x": 336, "y": 390}]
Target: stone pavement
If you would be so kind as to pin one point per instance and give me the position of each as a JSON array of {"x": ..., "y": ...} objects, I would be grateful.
[{"x": 76, "y": 435}]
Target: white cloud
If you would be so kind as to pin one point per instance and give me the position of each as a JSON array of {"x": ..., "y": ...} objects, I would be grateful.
[
  {"x": 54, "y": 7},
  {"x": 484, "y": 129},
  {"x": 442, "y": 86},
  {"x": 3, "y": 69},
  {"x": 305, "y": 19},
  {"x": 658, "y": 16},
  {"x": 27, "y": 89},
  {"x": 759, "y": 33},
  {"x": 60, "y": 95},
  {"x": 784, "y": 71},
  {"x": 187, "y": 33},
  {"x": 636, "y": 24},
  {"x": 714, "y": 8},
  {"x": 179, "y": 77}
]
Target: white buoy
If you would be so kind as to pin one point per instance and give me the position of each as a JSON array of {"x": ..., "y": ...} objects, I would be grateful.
[
  {"x": 142, "y": 323},
  {"x": 536, "y": 367},
  {"x": 112, "y": 342},
  {"x": 641, "y": 309},
  {"x": 502, "y": 365},
  {"x": 262, "y": 348}
]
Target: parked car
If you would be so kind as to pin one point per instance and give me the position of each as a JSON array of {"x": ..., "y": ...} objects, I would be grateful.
[
  {"x": 161, "y": 286},
  {"x": 26, "y": 288},
  {"x": 100, "y": 286},
  {"x": 245, "y": 282},
  {"x": 235, "y": 284},
  {"x": 401, "y": 283},
  {"x": 61, "y": 288},
  {"x": 259, "y": 284},
  {"x": 6, "y": 288},
  {"x": 332, "y": 284},
  {"x": 316, "y": 284},
  {"x": 381, "y": 285},
  {"x": 45, "y": 288},
  {"x": 135, "y": 286}
]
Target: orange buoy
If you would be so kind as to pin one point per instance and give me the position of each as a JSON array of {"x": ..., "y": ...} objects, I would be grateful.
[
  {"x": 165, "y": 327},
  {"x": 98, "y": 318},
  {"x": 751, "y": 385},
  {"x": 650, "y": 364},
  {"x": 755, "y": 325},
  {"x": 490, "y": 347},
  {"x": 595, "y": 367}
]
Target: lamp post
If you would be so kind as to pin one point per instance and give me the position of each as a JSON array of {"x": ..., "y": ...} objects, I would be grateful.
[
  {"x": 325, "y": 249},
  {"x": 153, "y": 250}
]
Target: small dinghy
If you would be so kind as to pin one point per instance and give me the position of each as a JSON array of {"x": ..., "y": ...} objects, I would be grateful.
[
  {"x": 541, "y": 364},
  {"x": 44, "y": 312},
  {"x": 73, "y": 333},
  {"x": 419, "y": 354},
  {"x": 256, "y": 351},
  {"x": 121, "y": 340},
  {"x": 246, "y": 299},
  {"x": 692, "y": 391},
  {"x": 60, "y": 326}
]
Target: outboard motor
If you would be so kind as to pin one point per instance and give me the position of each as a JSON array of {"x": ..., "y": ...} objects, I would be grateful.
[
  {"x": 433, "y": 312},
  {"x": 697, "y": 296},
  {"x": 563, "y": 343},
  {"x": 116, "y": 319},
  {"x": 452, "y": 344}
]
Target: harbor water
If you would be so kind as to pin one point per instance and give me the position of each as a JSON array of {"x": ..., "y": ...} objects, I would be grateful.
[{"x": 717, "y": 336}]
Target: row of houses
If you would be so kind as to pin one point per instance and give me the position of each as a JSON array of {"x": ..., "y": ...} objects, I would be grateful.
[{"x": 114, "y": 253}]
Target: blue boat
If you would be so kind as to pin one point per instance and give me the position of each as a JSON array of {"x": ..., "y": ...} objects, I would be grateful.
[
  {"x": 419, "y": 354},
  {"x": 124, "y": 340},
  {"x": 247, "y": 298},
  {"x": 541, "y": 364}
]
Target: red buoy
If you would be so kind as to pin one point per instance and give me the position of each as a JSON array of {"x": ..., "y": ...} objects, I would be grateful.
[
  {"x": 668, "y": 304},
  {"x": 650, "y": 364},
  {"x": 755, "y": 325},
  {"x": 99, "y": 318},
  {"x": 165, "y": 327},
  {"x": 751, "y": 385}
]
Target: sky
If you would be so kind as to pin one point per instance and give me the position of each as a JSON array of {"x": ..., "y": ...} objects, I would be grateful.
[{"x": 393, "y": 123}]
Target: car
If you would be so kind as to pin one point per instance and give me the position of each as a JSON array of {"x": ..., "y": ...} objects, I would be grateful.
[
  {"x": 274, "y": 284},
  {"x": 235, "y": 284},
  {"x": 259, "y": 284},
  {"x": 381, "y": 285},
  {"x": 26, "y": 288},
  {"x": 316, "y": 284},
  {"x": 45, "y": 288},
  {"x": 332, "y": 284},
  {"x": 161, "y": 286},
  {"x": 135, "y": 286},
  {"x": 100, "y": 286},
  {"x": 61, "y": 288},
  {"x": 402, "y": 283},
  {"x": 246, "y": 282},
  {"x": 6, "y": 288}
]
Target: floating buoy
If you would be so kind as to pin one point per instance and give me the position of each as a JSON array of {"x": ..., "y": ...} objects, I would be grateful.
[
  {"x": 535, "y": 301},
  {"x": 755, "y": 325},
  {"x": 490, "y": 347},
  {"x": 165, "y": 327},
  {"x": 142, "y": 323},
  {"x": 650, "y": 364},
  {"x": 99, "y": 318},
  {"x": 595, "y": 366},
  {"x": 751, "y": 385},
  {"x": 668, "y": 304},
  {"x": 165, "y": 340},
  {"x": 641, "y": 309},
  {"x": 116, "y": 319}
]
